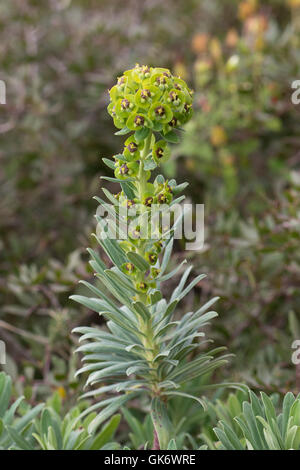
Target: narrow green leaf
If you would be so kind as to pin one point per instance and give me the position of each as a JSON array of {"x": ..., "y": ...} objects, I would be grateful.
[
  {"x": 107, "y": 433},
  {"x": 110, "y": 196},
  {"x": 128, "y": 189},
  {"x": 171, "y": 137},
  {"x": 161, "y": 422},
  {"x": 18, "y": 439},
  {"x": 123, "y": 131},
  {"x": 172, "y": 445},
  {"x": 109, "y": 163},
  {"x": 109, "y": 410},
  {"x": 149, "y": 164},
  {"x": 141, "y": 134},
  {"x": 138, "y": 261},
  {"x": 116, "y": 180}
]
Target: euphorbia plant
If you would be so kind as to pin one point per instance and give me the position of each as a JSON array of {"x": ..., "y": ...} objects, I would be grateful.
[{"x": 143, "y": 350}]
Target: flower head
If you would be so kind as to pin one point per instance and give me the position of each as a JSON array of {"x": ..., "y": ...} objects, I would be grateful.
[{"x": 150, "y": 97}]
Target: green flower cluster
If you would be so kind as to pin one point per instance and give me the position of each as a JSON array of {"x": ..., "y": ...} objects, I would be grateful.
[
  {"x": 150, "y": 97},
  {"x": 152, "y": 103}
]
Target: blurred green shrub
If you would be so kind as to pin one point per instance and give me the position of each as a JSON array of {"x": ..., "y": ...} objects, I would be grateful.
[
  {"x": 45, "y": 427},
  {"x": 243, "y": 143},
  {"x": 245, "y": 126},
  {"x": 255, "y": 424},
  {"x": 256, "y": 266}
]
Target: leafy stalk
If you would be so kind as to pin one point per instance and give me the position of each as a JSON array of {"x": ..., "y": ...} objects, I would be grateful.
[{"x": 144, "y": 349}]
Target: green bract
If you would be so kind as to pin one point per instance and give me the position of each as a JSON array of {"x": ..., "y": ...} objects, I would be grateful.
[
  {"x": 161, "y": 151},
  {"x": 132, "y": 149}
]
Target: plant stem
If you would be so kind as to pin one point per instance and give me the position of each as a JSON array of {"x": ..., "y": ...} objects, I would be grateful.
[
  {"x": 142, "y": 173},
  {"x": 155, "y": 441},
  {"x": 146, "y": 326}
]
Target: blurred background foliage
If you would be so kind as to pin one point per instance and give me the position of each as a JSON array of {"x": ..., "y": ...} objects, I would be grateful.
[{"x": 240, "y": 154}]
